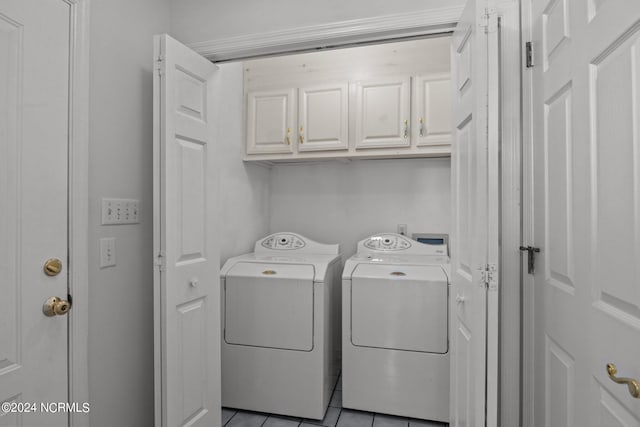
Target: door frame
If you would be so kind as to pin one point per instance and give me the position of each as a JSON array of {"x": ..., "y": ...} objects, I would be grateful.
[
  {"x": 432, "y": 21},
  {"x": 509, "y": 373},
  {"x": 78, "y": 210},
  {"x": 528, "y": 308}
]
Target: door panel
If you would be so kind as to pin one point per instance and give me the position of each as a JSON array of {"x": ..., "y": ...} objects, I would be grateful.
[
  {"x": 382, "y": 113},
  {"x": 34, "y": 131},
  {"x": 323, "y": 118},
  {"x": 475, "y": 118},
  {"x": 186, "y": 289},
  {"x": 271, "y": 121},
  {"x": 468, "y": 375},
  {"x": 587, "y": 211},
  {"x": 431, "y": 123},
  {"x": 559, "y": 216}
]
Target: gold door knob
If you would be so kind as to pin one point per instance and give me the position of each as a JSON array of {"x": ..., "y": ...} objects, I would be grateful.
[
  {"x": 52, "y": 267},
  {"x": 634, "y": 386},
  {"x": 55, "y": 306}
]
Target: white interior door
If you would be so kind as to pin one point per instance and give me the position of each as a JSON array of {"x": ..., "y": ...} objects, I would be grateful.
[
  {"x": 474, "y": 237},
  {"x": 34, "y": 130},
  {"x": 586, "y": 138},
  {"x": 186, "y": 282}
]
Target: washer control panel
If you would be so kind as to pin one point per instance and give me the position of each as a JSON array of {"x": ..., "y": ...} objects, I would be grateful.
[
  {"x": 387, "y": 242},
  {"x": 283, "y": 242},
  {"x": 397, "y": 244}
]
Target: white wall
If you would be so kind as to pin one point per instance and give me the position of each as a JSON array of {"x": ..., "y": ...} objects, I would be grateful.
[
  {"x": 335, "y": 202},
  {"x": 120, "y": 165},
  {"x": 244, "y": 187},
  {"x": 204, "y": 20}
]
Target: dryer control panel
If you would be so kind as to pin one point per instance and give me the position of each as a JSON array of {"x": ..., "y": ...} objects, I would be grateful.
[
  {"x": 283, "y": 242},
  {"x": 287, "y": 242}
]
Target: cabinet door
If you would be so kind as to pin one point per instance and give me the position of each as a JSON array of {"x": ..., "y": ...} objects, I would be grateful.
[
  {"x": 270, "y": 121},
  {"x": 323, "y": 118},
  {"x": 382, "y": 113},
  {"x": 432, "y": 110}
]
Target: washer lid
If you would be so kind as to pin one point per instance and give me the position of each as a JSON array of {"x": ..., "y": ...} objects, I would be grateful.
[{"x": 400, "y": 307}]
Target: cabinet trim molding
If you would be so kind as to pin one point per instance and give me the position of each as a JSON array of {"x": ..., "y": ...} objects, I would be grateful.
[{"x": 428, "y": 21}]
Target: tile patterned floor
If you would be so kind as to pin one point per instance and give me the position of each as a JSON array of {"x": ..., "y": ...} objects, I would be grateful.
[{"x": 335, "y": 417}]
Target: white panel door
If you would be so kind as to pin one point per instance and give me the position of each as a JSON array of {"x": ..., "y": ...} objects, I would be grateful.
[
  {"x": 586, "y": 138},
  {"x": 382, "y": 109},
  {"x": 323, "y": 117},
  {"x": 35, "y": 55},
  {"x": 474, "y": 239},
  {"x": 186, "y": 283},
  {"x": 271, "y": 121},
  {"x": 431, "y": 122}
]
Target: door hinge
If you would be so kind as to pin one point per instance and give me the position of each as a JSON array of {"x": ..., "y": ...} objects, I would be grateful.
[
  {"x": 489, "y": 21},
  {"x": 160, "y": 65},
  {"x": 528, "y": 51},
  {"x": 489, "y": 277},
  {"x": 159, "y": 261}
]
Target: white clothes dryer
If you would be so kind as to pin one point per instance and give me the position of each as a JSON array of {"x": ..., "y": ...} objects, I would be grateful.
[
  {"x": 281, "y": 326},
  {"x": 395, "y": 331}
]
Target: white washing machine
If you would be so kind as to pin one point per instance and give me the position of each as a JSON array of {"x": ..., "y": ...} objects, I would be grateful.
[
  {"x": 281, "y": 326},
  {"x": 395, "y": 333}
]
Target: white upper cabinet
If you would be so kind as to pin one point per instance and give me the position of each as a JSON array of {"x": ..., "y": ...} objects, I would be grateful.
[
  {"x": 382, "y": 108},
  {"x": 323, "y": 117},
  {"x": 390, "y": 100},
  {"x": 270, "y": 121},
  {"x": 431, "y": 121}
]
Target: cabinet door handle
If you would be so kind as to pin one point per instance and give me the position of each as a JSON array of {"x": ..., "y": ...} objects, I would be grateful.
[
  {"x": 406, "y": 129},
  {"x": 421, "y": 132},
  {"x": 288, "y": 138},
  {"x": 301, "y": 137}
]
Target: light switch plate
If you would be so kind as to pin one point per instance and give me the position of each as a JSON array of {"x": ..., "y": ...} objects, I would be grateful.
[
  {"x": 120, "y": 211},
  {"x": 107, "y": 252}
]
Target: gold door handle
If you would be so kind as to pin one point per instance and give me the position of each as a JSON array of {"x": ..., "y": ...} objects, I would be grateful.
[
  {"x": 288, "y": 139},
  {"x": 421, "y": 131},
  {"x": 55, "y": 306},
  {"x": 634, "y": 386},
  {"x": 406, "y": 129},
  {"x": 301, "y": 135}
]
